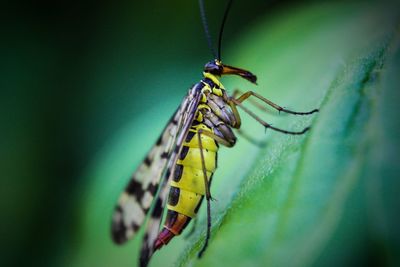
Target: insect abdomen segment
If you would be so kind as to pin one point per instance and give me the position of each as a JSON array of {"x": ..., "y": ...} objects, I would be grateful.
[{"x": 188, "y": 185}]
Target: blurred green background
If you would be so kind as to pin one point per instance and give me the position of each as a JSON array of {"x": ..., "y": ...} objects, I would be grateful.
[{"x": 87, "y": 86}]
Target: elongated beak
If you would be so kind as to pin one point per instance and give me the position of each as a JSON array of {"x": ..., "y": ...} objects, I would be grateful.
[{"x": 241, "y": 72}]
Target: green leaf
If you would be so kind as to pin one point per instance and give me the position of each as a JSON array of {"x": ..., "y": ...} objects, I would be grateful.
[
  {"x": 303, "y": 200},
  {"x": 327, "y": 197}
]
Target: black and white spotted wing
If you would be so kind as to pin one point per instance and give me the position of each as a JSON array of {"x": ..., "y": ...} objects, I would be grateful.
[
  {"x": 137, "y": 198},
  {"x": 154, "y": 222}
]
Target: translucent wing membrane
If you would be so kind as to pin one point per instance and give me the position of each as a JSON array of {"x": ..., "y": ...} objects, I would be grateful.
[
  {"x": 141, "y": 195},
  {"x": 135, "y": 202},
  {"x": 138, "y": 196}
]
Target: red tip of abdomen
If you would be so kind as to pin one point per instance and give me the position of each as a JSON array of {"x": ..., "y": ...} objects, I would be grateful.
[
  {"x": 163, "y": 238},
  {"x": 174, "y": 224}
]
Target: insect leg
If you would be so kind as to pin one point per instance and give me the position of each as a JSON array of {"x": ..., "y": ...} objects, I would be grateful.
[
  {"x": 221, "y": 141},
  {"x": 247, "y": 94},
  {"x": 237, "y": 92},
  {"x": 208, "y": 195},
  {"x": 265, "y": 124}
]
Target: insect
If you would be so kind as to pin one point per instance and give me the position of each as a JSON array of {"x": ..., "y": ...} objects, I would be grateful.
[{"x": 176, "y": 174}]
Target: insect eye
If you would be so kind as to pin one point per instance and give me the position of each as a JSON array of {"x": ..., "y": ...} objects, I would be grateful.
[{"x": 213, "y": 68}]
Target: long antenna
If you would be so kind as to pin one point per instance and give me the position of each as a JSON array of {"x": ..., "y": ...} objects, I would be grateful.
[
  {"x": 228, "y": 7},
  {"x": 205, "y": 26}
]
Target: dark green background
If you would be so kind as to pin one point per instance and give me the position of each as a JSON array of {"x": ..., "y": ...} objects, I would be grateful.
[
  {"x": 73, "y": 74},
  {"x": 74, "y": 77}
]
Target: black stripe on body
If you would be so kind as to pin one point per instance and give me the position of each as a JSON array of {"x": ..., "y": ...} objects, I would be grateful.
[
  {"x": 173, "y": 197},
  {"x": 209, "y": 82},
  {"x": 189, "y": 137},
  {"x": 178, "y": 173},
  {"x": 195, "y": 123},
  {"x": 185, "y": 150},
  {"x": 173, "y": 224},
  {"x": 171, "y": 218}
]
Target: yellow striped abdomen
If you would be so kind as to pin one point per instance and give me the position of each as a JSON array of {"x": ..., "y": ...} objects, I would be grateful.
[
  {"x": 187, "y": 184},
  {"x": 188, "y": 176}
]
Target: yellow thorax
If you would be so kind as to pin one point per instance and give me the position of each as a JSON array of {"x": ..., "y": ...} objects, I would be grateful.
[{"x": 213, "y": 78}]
